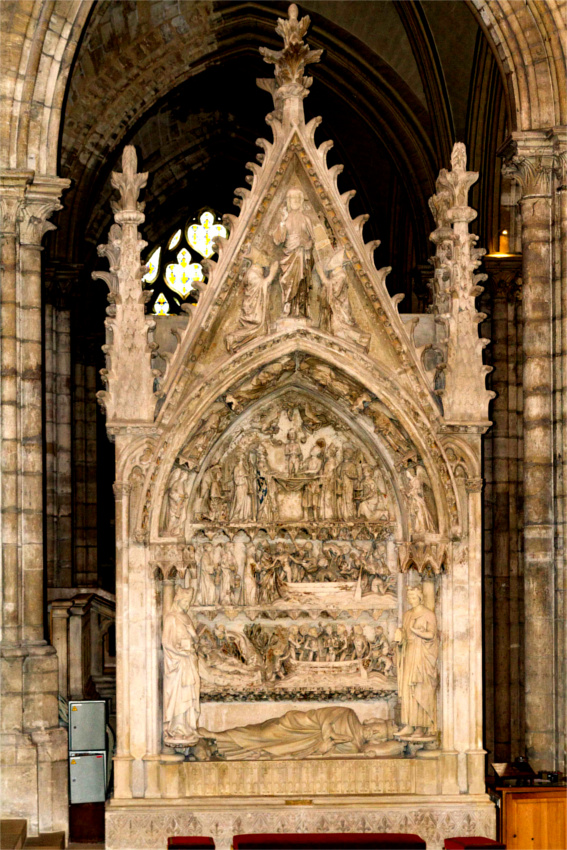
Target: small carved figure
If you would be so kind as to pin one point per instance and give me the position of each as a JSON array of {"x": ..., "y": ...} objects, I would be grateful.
[
  {"x": 208, "y": 585},
  {"x": 266, "y": 492},
  {"x": 418, "y": 678},
  {"x": 311, "y": 495},
  {"x": 295, "y": 233},
  {"x": 422, "y": 519},
  {"x": 214, "y": 498},
  {"x": 241, "y": 509},
  {"x": 293, "y": 453},
  {"x": 336, "y": 312},
  {"x": 136, "y": 482},
  {"x": 181, "y": 682},
  {"x": 385, "y": 663},
  {"x": 175, "y": 503},
  {"x": 329, "y": 485},
  {"x": 347, "y": 478},
  {"x": 295, "y": 641},
  {"x": 228, "y": 575},
  {"x": 311, "y": 645},
  {"x": 254, "y": 302},
  {"x": 373, "y": 504},
  {"x": 249, "y": 584},
  {"x": 360, "y": 643}
]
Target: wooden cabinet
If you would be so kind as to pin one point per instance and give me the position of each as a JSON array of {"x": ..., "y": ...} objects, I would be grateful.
[{"x": 533, "y": 818}]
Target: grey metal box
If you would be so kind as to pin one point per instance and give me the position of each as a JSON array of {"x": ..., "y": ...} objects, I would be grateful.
[
  {"x": 87, "y": 725},
  {"x": 87, "y": 777}
]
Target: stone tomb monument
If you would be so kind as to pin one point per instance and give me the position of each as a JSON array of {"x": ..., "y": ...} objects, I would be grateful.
[{"x": 298, "y": 503}]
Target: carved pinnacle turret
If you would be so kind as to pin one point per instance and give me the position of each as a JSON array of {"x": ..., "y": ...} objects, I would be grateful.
[
  {"x": 291, "y": 84},
  {"x": 129, "y": 378},
  {"x": 455, "y": 289}
]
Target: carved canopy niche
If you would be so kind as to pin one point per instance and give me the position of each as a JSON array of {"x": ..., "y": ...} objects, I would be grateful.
[{"x": 298, "y": 515}]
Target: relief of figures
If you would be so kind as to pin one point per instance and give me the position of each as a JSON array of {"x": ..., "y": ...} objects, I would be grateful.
[
  {"x": 292, "y": 472},
  {"x": 418, "y": 648},
  {"x": 313, "y": 651},
  {"x": 264, "y": 573}
]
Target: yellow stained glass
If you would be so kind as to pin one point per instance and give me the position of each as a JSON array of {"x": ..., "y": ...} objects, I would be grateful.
[
  {"x": 180, "y": 276},
  {"x": 153, "y": 267},
  {"x": 174, "y": 241},
  {"x": 161, "y": 307},
  {"x": 201, "y": 236}
]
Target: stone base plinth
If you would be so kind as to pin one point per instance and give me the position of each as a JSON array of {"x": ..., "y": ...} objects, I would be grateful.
[{"x": 148, "y": 823}]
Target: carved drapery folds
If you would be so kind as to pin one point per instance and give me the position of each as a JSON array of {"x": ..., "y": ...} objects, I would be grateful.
[
  {"x": 128, "y": 345},
  {"x": 455, "y": 290}
]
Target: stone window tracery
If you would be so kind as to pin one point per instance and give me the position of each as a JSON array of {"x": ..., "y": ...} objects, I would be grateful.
[{"x": 176, "y": 265}]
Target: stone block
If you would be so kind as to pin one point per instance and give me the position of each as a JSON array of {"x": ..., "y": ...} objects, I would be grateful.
[
  {"x": 41, "y": 710},
  {"x": 11, "y": 675},
  {"x": 12, "y": 712}
]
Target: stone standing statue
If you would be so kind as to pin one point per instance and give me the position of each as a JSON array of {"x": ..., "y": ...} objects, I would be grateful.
[
  {"x": 295, "y": 232},
  {"x": 181, "y": 682},
  {"x": 418, "y": 678}
]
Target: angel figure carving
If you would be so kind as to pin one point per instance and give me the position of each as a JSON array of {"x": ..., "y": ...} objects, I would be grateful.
[
  {"x": 336, "y": 310},
  {"x": 295, "y": 232},
  {"x": 181, "y": 681},
  {"x": 253, "y": 309}
]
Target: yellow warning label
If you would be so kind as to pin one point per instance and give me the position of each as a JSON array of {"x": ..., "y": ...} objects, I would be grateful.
[
  {"x": 74, "y": 708},
  {"x": 73, "y": 761}
]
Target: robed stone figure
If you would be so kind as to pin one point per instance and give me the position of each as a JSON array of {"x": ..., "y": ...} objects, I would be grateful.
[
  {"x": 295, "y": 234},
  {"x": 181, "y": 682},
  {"x": 418, "y": 678}
]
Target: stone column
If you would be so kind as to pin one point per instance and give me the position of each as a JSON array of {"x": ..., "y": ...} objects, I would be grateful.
[
  {"x": 58, "y": 508},
  {"x": 30, "y": 731},
  {"x": 502, "y": 566},
  {"x": 531, "y": 161}
]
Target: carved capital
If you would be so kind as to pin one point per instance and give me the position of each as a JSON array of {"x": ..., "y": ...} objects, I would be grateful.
[
  {"x": 41, "y": 201},
  {"x": 534, "y": 161},
  {"x": 505, "y": 276},
  {"x": 13, "y": 185}
]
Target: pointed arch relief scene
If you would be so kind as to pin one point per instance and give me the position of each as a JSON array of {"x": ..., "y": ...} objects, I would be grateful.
[{"x": 289, "y": 504}]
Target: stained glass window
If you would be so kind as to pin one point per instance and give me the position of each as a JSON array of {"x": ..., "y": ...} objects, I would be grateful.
[{"x": 175, "y": 265}]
